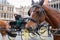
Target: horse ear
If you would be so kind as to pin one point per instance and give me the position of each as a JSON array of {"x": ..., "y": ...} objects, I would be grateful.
[{"x": 41, "y": 2}]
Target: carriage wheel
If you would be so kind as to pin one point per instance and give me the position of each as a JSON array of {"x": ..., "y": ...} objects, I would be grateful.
[
  {"x": 43, "y": 33},
  {"x": 25, "y": 34}
]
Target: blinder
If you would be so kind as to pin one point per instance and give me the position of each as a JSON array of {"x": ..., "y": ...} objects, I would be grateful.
[{"x": 40, "y": 12}]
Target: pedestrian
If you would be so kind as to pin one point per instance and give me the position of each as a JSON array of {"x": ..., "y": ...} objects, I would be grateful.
[{"x": 18, "y": 21}]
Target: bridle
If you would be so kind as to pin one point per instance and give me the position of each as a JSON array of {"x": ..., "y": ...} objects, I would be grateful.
[{"x": 39, "y": 13}]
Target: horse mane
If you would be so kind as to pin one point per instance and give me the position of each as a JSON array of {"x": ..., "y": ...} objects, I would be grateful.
[{"x": 53, "y": 15}]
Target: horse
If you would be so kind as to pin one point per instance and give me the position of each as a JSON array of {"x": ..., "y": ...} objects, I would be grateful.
[
  {"x": 4, "y": 30},
  {"x": 3, "y": 27},
  {"x": 42, "y": 13},
  {"x": 54, "y": 23}
]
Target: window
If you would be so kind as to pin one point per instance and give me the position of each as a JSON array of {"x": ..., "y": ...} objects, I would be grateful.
[
  {"x": 1, "y": 7},
  {"x": 59, "y": 5},
  {"x": 11, "y": 15},
  {"x": 51, "y": 5},
  {"x": 9, "y": 9},
  {"x": 54, "y": 6},
  {"x": 7, "y": 15},
  {"x": 4, "y": 15},
  {"x": 12, "y": 9},
  {"x": 1, "y": 15}
]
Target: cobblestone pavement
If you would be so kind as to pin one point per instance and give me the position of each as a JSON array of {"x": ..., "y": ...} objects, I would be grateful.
[{"x": 30, "y": 38}]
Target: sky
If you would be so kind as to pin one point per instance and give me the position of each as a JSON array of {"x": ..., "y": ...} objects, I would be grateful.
[{"x": 18, "y": 3}]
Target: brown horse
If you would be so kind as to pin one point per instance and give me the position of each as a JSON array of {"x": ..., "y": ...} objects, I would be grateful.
[
  {"x": 3, "y": 27},
  {"x": 4, "y": 30},
  {"x": 43, "y": 13},
  {"x": 53, "y": 19}
]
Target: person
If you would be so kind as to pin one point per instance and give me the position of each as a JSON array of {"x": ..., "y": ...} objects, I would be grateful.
[{"x": 18, "y": 21}]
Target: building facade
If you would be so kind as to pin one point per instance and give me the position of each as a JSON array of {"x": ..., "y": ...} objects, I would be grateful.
[
  {"x": 17, "y": 10},
  {"x": 6, "y": 12},
  {"x": 55, "y": 4},
  {"x": 24, "y": 11}
]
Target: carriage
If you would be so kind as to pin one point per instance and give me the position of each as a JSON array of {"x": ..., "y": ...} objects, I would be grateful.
[{"x": 40, "y": 15}]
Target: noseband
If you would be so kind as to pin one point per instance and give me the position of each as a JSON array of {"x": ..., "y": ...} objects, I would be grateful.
[{"x": 39, "y": 12}]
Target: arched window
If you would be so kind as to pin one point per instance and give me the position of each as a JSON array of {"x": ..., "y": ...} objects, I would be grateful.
[
  {"x": 4, "y": 15},
  {"x": 1, "y": 7},
  {"x": 51, "y": 5},
  {"x": 59, "y": 5},
  {"x": 1, "y": 15},
  {"x": 7, "y": 15},
  {"x": 54, "y": 5}
]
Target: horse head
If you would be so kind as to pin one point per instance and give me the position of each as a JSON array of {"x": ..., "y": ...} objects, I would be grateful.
[{"x": 36, "y": 12}]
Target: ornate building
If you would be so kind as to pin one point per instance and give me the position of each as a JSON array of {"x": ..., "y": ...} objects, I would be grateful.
[
  {"x": 6, "y": 12},
  {"x": 24, "y": 11},
  {"x": 55, "y": 4}
]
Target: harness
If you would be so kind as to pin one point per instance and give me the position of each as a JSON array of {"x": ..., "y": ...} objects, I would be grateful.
[
  {"x": 39, "y": 25},
  {"x": 42, "y": 26}
]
